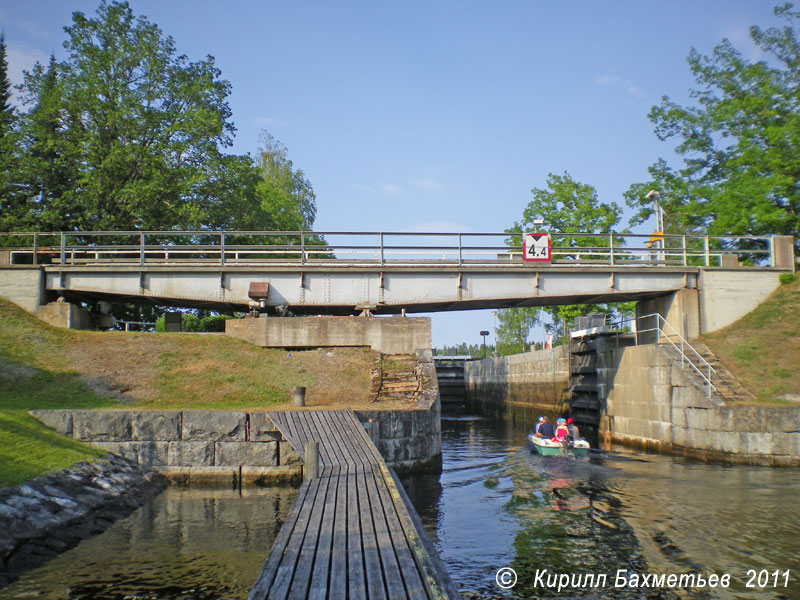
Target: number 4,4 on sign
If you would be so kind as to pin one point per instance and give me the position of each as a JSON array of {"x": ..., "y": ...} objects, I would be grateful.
[{"x": 536, "y": 247}]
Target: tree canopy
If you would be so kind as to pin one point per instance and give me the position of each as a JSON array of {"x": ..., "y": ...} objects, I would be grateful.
[
  {"x": 739, "y": 141},
  {"x": 126, "y": 133},
  {"x": 566, "y": 206}
]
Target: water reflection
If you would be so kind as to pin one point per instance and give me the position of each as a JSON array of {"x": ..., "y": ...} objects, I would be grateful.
[
  {"x": 188, "y": 543},
  {"x": 497, "y": 504}
]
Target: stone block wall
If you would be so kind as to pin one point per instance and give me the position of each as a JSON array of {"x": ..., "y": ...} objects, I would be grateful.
[
  {"x": 651, "y": 404},
  {"x": 519, "y": 386},
  {"x": 197, "y": 444}
]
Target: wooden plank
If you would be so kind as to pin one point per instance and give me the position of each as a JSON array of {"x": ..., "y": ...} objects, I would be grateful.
[
  {"x": 391, "y": 570},
  {"x": 320, "y": 435},
  {"x": 372, "y": 559},
  {"x": 356, "y": 583},
  {"x": 309, "y": 552},
  {"x": 337, "y": 585},
  {"x": 328, "y": 420},
  {"x": 435, "y": 577},
  {"x": 355, "y": 441},
  {"x": 344, "y": 439},
  {"x": 408, "y": 567},
  {"x": 324, "y": 551},
  {"x": 285, "y": 571},
  {"x": 267, "y": 575},
  {"x": 372, "y": 456}
]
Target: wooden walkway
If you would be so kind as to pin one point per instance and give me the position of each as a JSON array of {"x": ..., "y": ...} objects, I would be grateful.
[{"x": 352, "y": 532}]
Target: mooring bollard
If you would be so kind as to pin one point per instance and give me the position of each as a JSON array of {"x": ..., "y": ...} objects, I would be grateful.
[
  {"x": 311, "y": 469},
  {"x": 298, "y": 395}
]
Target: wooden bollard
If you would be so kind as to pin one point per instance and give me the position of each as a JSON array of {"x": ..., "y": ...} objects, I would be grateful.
[
  {"x": 298, "y": 396},
  {"x": 311, "y": 470}
]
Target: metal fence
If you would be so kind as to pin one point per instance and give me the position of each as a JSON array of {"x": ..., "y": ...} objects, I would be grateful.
[{"x": 242, "y": 247}]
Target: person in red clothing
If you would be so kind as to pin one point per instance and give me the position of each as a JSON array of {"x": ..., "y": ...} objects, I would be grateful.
[{"x": 561, "y": 430}]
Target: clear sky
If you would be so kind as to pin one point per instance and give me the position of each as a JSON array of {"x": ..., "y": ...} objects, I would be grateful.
[{"x": 435, "y": 116}]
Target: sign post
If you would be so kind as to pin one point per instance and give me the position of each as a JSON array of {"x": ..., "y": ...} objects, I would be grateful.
[
  {"x": 484, "y": 334},
  {"x": 536, "y": 247}
]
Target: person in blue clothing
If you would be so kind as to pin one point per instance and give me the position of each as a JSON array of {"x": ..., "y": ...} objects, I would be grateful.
[
  {"x": 546, "y": 430},
  {"x": 538, "y": 425}
]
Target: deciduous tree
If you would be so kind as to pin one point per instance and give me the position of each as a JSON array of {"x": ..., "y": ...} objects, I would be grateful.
[{"x": 739, "y": 141}]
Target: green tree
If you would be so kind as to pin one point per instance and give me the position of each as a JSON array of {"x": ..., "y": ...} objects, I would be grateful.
[
  {"x": 739, "y": 141},
  {"x": 10, "y": 198},
  {"x": 144, "y": 125},
  {"x": 567, "y": 207}
]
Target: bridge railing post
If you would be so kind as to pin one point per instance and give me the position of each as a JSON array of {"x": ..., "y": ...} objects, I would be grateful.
[
  {"x": 35, "y": 247},
  {"x": 611, "y": 248},
  {"x": 302, "y": 247},
  {"x": 707, "y": 251},
  {"x": 63, "y": 257},
  {"x": 460, "y": 259},
  {"x": 683, "y": 247},
  {"x": 222, "y": 247},
  {"x": 380, "y": 239},
  {"x": 141, "y": 247}
]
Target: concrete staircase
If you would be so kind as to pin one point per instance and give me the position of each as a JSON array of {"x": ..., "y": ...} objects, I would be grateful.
[{"x": 728, "y": 388}]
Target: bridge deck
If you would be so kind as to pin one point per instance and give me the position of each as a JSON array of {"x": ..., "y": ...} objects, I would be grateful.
[{"x": 352, "y": 533}]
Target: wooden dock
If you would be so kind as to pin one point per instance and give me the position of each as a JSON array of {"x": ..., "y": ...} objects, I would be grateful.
[{"x": 352, "y": 532}]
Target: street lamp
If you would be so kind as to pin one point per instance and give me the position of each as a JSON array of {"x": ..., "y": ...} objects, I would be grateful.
[{"x": 494, "y": 315}]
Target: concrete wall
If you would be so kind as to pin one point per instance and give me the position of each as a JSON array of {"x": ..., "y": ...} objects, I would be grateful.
[
  {"x": 726, "y": 296},
  {"x": 23, "y": 286},
  {"x": 650, "y": 404},
  {"x": 723, "y": 296},
  {"x": 389, "y": 335},
  {"x": 236, "y": 446},
  {"x": 518, "y": 386}
]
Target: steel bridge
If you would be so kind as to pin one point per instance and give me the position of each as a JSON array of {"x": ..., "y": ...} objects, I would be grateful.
[{"x": 342, "y": 273}]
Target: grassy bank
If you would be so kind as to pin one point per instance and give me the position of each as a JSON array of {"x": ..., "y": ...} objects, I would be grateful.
[
  {"x": 762, "y": 349},
  {"x": 47, "y": 367}
]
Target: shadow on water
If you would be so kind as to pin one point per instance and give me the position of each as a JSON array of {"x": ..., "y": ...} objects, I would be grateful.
[
  {"x": 497, "y": 504},
  {"x": 188, "y": 543}
]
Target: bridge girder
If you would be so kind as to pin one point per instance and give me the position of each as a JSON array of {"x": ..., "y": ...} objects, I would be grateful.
[{"x": 339, "y": 289}]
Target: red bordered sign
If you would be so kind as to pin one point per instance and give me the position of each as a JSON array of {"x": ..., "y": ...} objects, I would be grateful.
[{"x": 536, "y": 247}]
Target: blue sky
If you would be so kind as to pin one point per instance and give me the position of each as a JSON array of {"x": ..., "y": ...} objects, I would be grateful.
[{"x": 436, "y": 116}]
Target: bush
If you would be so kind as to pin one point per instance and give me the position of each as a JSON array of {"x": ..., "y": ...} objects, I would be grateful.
[
  {"x": 190, "y": 322},
  {"x": 787, "y": 278}
]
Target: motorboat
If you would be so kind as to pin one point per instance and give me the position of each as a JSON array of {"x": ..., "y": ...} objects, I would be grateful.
[{"x": 549, "y": 447}]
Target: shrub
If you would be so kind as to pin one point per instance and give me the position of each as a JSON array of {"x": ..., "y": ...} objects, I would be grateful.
[
  {"x": 214, "y": 323},
  {"x": 787, "y": 278}
]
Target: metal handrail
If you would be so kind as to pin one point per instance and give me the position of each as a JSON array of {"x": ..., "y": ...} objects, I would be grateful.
[
  {"x": 682, "y": 349},
  {"x": 611, "y": 249}
]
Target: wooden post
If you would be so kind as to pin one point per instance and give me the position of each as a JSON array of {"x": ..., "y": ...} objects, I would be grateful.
[
  {"x": 298, "y": 396},
  {"x": 311, "y": 470}
]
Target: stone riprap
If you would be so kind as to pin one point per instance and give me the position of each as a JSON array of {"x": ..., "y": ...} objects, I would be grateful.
[{"x": 54, "y": 512}]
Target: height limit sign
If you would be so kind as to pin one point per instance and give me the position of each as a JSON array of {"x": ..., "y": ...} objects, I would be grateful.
[{"x": 536, "y": 247}]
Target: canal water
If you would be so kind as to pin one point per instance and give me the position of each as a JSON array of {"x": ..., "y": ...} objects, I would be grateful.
[{"x": 495, "y": 506}]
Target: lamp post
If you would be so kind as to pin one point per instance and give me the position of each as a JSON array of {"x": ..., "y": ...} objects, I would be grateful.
[
  {"x": 484, "y": 334},
  {"x": 494, "y": 316}
]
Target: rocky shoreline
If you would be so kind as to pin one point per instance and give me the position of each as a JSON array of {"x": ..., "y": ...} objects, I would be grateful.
[{"x": 52, "y": 513}]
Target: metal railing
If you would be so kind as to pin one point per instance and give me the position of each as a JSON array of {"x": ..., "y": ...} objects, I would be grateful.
[
  {"x": 222, "y": 247},
  {"x": 666, "y": 333}
]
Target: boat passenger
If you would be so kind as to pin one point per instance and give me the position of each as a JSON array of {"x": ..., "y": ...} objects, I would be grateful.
[
  {"x": 538, "y": 425},
  {"x": 561, "y": 431},
  {"x": 546, "y": 430},
  {"x": 573, "y": 430}
]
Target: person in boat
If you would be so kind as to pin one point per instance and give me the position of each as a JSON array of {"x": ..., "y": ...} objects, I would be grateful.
[
  {"x": 561, "y": 430},
  {"x": 574, "y": 432},
  {"x": 538, "y": 425},
  {"x": 546, "y": 430}
]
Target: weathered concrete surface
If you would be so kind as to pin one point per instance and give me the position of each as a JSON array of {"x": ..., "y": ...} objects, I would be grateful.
[
  {"x": 651, "y": 404},
  {"x": 520, "y": 386},
  {"x": 23, "y": 286},
  {"x": 52, "y": 513},
  {"x": 389, "y": 335},
  {"x": 725, "y": 296}
]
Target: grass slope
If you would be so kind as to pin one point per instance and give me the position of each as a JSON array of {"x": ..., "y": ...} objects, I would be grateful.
[
  {"x": 762, "y": 349},
  {"x": 48, "y": 367}
]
